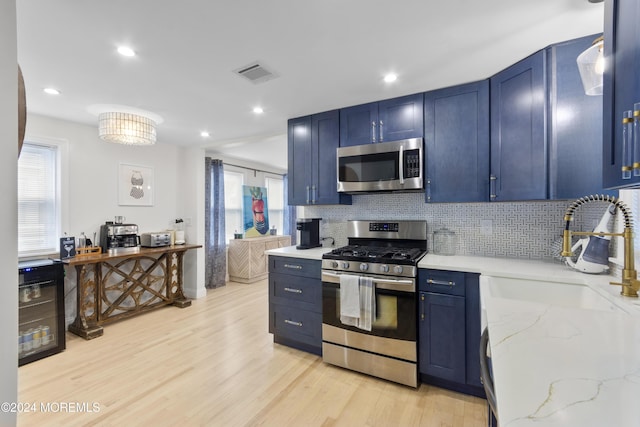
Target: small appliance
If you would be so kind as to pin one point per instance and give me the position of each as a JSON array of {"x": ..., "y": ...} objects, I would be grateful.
[
  {"x": 387, "y": 166},
  {"x": 117, "y": 236},
  {"x": 308, "y": 233},
  {"x": 154, "y": 240},
  {"x": 594, "y": 255}
]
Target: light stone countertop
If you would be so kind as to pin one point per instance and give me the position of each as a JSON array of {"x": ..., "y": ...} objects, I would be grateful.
[{"x": 552, "y": 365}]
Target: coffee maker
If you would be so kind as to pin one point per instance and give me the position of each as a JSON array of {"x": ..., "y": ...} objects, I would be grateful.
[
  {"x": 308, "y": 233},
  {"x": 116, "y": 236}
]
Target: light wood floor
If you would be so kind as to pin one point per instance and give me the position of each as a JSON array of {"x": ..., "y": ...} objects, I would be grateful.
[{"x": 215, "y": 364}]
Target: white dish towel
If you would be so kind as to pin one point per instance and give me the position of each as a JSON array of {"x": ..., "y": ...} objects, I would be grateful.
[
  {"x": 349, "y": 299},
  {"x": 367, "y": 303}
]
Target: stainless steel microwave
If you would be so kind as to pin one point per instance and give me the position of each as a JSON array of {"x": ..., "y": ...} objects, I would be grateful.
[{"x": 386, "y": 166}]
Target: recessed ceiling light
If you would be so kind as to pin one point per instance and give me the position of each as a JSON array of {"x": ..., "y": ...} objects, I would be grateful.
[
  {"x": 51, "y": 91},
  {"x": 126, "y": 51},
  {"x": 205, "y": 134},
  {"x": 391, "y": 77},
  {"x": 258, "y": 110}
]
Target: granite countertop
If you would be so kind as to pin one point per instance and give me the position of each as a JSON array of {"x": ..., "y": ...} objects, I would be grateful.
[
  {"x": 291, "y": 251},
  {"x": 553, "y": 365},
  {"x": 556, "y": 365}
]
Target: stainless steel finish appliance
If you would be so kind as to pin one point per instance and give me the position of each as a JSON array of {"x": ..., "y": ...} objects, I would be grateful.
[
  {"x": 388, "y": 253},
  {"x": 386, "y": 166},
  {"x": 308, "y": 233},
  {"x": 118, "y": 236},
  {"x": 154, "y": 240}
]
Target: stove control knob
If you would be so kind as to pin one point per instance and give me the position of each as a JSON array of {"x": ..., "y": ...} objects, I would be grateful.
[
  {"x": 397, "y": 269},
  {"x": 334, "y": 264},
  {"x": 384, "y": 268},
  {"x": 364, "y": 266},
  {"x": 345, "y": 265}
]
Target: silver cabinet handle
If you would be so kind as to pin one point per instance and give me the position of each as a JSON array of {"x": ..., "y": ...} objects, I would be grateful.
[
  {"x": 381, "y": 132},
  {"x": 294, "y": 323},
  {"x": 308, "y": 194},
  {"x": 428, "y": 189},
  {"x": 373, "y": 131},
  {"x": 422, "y": 314},
  {"x": 293, "y": 266},
  {"x": 314, "y": 191},
  {"x": 293, "y": 290},
  {"x": 492, "y": 187},
  {"x": 441, "y": 282}
]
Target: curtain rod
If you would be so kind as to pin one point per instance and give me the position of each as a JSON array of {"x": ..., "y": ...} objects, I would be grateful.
[{"x": 253, "y": 169}]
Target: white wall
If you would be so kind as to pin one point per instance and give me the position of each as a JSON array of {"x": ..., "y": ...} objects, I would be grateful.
[
  {"x": 8, "y": 207},
  {"x": 90, "y": 190}
]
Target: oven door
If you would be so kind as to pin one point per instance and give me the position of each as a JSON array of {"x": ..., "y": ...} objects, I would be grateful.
[
  {"x": 395, "y": 314},
  {"x": 388, "y": 166}
]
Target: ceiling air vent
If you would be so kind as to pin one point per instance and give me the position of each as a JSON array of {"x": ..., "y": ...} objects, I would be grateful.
[{"x": 255, "y": 73}]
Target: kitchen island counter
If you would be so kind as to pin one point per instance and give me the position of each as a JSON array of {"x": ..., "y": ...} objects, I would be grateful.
[{"x": 555, "y": 365}]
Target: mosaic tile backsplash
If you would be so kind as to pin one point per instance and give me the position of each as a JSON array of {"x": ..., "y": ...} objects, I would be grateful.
[{"x": 529, "y": 230}]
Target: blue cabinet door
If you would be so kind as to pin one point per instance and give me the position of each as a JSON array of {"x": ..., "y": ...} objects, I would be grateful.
[
  {"x": 456, "y": 136},
  {"x": 575, "y": 125},
  {"x": 621, "y": 83},
  {"x": 359, "y": 125},
  {"x": 400, "y": 118},
  {"x": 389, "y": 120},
  {"x": 312, "y": 144},
  {"x": 325, "y": 139},
  {"x": 518, "y": 131},
  {"x": 442, "y": 336},
  {"x": 299, "y": 160},
  {"x": 473, "y": 331}
]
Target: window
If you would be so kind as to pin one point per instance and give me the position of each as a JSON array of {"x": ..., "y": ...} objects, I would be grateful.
[
  {"x": 233, "y": 182},
  {"x": 275, "y": 199},
  {"x": 38, "y": 199}
]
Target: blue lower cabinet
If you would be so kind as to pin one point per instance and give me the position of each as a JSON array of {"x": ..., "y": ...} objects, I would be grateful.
[
  {"x": 295, "y": 303},
  {"x": 449, "y": 330}
]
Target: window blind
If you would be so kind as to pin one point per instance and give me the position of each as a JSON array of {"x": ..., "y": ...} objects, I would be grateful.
[{"x": 38, "y": 222}]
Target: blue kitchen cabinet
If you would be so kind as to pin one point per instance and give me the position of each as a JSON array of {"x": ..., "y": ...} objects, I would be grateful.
[
  {"x": 312, "y": 144},
  {"x": 456, "y": 136},
  {"x": 575, "y": 125},
  {"x": 295, "y": 303},
  {"x": 518, "y": 131},
  {"x": 449, "y": 330},
  {"x": 388, "y": 120},
  {"x": 621, "y": 83}
]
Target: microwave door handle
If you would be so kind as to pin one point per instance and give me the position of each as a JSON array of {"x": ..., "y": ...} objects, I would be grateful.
[{"x": 401, "y": 165}]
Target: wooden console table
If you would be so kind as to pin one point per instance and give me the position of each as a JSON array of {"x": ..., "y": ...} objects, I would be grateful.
[{"x": 114, "y": 286}]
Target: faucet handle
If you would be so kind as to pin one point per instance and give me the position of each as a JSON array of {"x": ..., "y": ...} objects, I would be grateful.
[{"x": 629, "y": 287}]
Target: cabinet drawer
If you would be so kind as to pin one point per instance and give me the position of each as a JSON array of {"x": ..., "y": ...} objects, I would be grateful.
[
  {"x": 295, "y": 266},
  {"x": 442, "y": 282},
  {"x": 302, "y": 292},
  {"x": 295, "y": 324}
]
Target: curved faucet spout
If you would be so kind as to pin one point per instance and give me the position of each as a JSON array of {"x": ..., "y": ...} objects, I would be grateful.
[{"x": 630, "y": 283}]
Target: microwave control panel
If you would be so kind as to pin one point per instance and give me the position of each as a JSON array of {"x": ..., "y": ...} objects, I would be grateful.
[{"x": 412, "y": 162}]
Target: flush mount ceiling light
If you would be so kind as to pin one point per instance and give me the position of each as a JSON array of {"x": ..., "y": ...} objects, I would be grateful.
[
  {"x": 126, "y": 51},
  {"x": 591, "y": 66},
  {"x": 390, "y": 78},
  {"x": 258, "y": 110},
  {"x": 205, "y": 134},
  {"x": 126, "y": 125},
  {"x": 51, "y": 91}
]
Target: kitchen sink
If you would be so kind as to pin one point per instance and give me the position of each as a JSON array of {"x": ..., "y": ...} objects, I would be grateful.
[{"x": 552, "y": 293}]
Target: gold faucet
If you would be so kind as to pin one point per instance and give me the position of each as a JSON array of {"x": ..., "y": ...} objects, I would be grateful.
[{"x": 630, "y": 283}]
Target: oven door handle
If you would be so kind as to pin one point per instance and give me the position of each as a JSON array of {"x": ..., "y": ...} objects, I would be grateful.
[{"x": 402, "y": 285}]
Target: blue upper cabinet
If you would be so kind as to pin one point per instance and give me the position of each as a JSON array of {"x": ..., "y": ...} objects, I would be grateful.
[
  {"x": 312, "y": 144},
  {"x": 518, "y": 131},
  {"x": 621, "y": 83},
  {"x": 456, "y": 135},
  {"x": 389, "y": 120},
  {"x": 575, "y": 125}
]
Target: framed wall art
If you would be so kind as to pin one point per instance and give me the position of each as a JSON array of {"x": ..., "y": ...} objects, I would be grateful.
[{"x": 135, "y": 185}]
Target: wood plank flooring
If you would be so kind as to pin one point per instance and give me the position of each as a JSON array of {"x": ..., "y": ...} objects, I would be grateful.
[{"x": 215, "y": 364}]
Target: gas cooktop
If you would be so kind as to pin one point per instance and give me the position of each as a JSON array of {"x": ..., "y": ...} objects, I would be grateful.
[{"x": 407, "y": 256}]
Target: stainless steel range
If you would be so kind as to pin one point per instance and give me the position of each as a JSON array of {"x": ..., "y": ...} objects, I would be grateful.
[{"x": 369, "y": 321}]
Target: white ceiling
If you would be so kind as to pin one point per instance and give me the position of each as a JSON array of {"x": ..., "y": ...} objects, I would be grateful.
[{"x": 328, "y": 54}]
